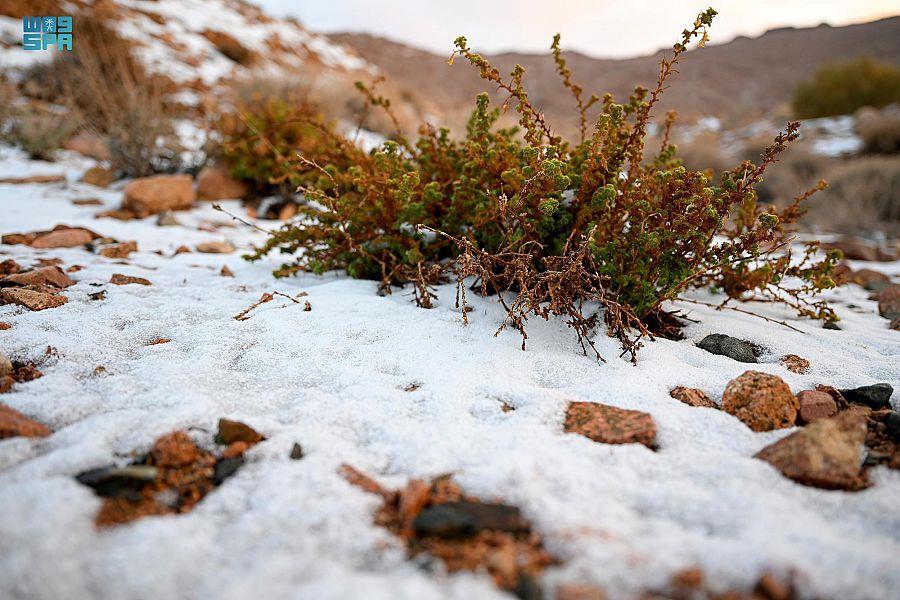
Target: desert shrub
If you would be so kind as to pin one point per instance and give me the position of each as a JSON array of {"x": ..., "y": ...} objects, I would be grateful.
[
  {"x": 841, "y": 88},
  {"x": 115, "y": 96},
  {"x": 863, "y": 197},
  {"x": 879, "y": 130},
  {"x": 269, "y": 126},
  {"x": 40, "y": 131},
  {"x": 577, "y": 231}
]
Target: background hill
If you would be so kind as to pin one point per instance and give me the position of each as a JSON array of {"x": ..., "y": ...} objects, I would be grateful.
[{"x": 738, "y": 81}]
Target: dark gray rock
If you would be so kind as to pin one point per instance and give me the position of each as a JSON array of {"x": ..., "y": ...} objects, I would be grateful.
[
  {"x": 725, "y": 345},
  {"x": 465, "y": 519},
  {"x": 875, "y": 396},
  {"x": 297, "y": 452},
  {"x": 227, "y": 467},
  {"x": 893, "y": 425},
  {"x": 118, "y": 481},
  {"x": 831, "y": 325}
]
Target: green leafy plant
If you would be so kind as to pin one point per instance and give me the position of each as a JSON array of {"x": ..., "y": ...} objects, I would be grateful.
[{"x": 578, "y": 231}]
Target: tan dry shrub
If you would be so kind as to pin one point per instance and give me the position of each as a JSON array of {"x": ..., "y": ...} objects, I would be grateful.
[
  {"x": 863, "y": 197},
  {"x": 879, "y": 130},
  {"x": 116, "y": 96}
]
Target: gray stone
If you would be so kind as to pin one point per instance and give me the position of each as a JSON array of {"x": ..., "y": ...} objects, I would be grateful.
[
  {"x": 875, "y": 396},
  {"x": 725, "y": 345}
]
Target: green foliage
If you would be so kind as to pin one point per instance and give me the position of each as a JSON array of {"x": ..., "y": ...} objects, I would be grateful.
[
  {"x": 553, "y": 228},
  {"x": 843, "y": 87},
  {"x": 261, "y": 139}
]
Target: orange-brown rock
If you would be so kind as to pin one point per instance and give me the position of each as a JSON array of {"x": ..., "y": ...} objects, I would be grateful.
[
  {"x": 120, "y": 250},
  {"x": 15, "y": 424},
  {"x": 52, "y": 276},
  {"x": 823, "y": 454},
  {"x": 119, "y": 279},
  {"x": 98, "y": 177},
  {"x": 760, "y": 400},
  {"x": 609, "y": 424},
  {"x": 692, "y": 397},
  {"x": 795, "y": 364},
  {"x": 88, "y": 144},
  {"x": 151, "y": 195},
  {"x": 215, "y": 183},
  {"x": 31, "y": 299}
]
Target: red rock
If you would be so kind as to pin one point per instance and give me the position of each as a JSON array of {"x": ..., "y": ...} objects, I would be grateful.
[
  {"x": 823, "y": 454},
  {"x": 413, "y": 499},
  {"x": 760, "y": 400},
  {"x": 98, "y": 177},
  {"x": 226, "y": 272},
  {"x": 4, "y": 326},
  {"x": 794, "y": 363},
  {"x": 15, "y": 424},
  {"x": 52, "y": 276},
  {"x": 815, "y": 405},
  {"x": 120, "y": 250},
  {"x": 151, "y": 195},
  {"x": 174, "y": 450},
  {"x": 609, "y": 424},
  {"x": 119, "y": 279},
  {"x": 692, "y": 397},
  {"x": 31, "y": 299},
  {"x": 215, "y": 183},
  {"x": 6, "y": 383},
  {"x": 842, "y": 273}
]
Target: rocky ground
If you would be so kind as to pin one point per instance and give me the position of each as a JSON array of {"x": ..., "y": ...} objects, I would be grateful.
[{"x": 175, "y": 422}]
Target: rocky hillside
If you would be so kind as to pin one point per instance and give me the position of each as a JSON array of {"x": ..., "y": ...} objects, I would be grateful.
[{"x": 737, "y": 81}]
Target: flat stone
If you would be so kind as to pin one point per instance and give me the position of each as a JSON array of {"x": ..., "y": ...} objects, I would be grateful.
[
  {"x": 215, "y": 248},
  {"x": 31, "y": 299},
  {"x": 762, "y": 401},
  {"x": 52, "y": 276},
  {"x": 692, "y": 397},
  {"x": 118, "y": 481},
  {"x": 795, "y": 364},
  {"x": 725, "y": 345},
  {"x": 152, "y": 195},
  {"x": 824, "y": 454},
  {"x": 609, "y": 424},
  {"x": 119, "y": 279},
  {"x": 465, "y": 519}
]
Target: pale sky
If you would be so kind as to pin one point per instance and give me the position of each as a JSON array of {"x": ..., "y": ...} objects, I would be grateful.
[{"x": 600, "y": 28}]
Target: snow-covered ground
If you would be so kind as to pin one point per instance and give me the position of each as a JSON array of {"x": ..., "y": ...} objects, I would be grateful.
[{"x": 621, "y": 517}]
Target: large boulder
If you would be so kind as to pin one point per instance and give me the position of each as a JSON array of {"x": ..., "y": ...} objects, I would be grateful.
[
  {"x": 762, "y": 401},
  {"x": 825, "y": 454},
  {"x": 214, "y": 183},
  {"x": 151, "y": 195}
]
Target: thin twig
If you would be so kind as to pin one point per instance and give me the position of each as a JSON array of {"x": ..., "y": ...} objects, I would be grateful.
[{"x": 740, "y": 310}]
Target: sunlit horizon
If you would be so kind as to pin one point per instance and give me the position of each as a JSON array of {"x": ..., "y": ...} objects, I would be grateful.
[{"x": 600, "y": 29}]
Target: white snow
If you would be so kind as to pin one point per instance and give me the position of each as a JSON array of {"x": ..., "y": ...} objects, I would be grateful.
[{"x": 621, "y": 517}]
